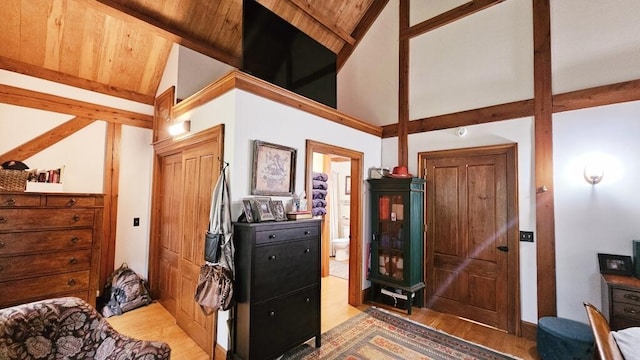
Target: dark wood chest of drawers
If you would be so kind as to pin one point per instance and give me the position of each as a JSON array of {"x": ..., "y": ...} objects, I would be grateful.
[
  {"x": 277, "y": 287},
  {"x": 49, "y": 246},
  {"x": 621, "y": 301}
]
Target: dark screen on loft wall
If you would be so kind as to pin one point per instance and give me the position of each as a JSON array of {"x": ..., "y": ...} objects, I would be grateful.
[{"x": 276, "y": 51}]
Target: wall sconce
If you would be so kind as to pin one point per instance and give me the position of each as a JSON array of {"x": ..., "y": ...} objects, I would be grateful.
[
  {"x": 180, "y": 128},
  {"x": 593, "y": 173}
]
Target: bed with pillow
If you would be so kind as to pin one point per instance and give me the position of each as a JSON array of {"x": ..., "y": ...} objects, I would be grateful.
[{"x": 613, "y": 345}]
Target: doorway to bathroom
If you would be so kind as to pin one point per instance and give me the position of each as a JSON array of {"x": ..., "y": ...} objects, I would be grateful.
[{"x": 333, "y": 186}]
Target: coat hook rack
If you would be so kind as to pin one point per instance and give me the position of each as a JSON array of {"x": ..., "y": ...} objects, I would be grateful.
[{"x": 224, "y": 164}]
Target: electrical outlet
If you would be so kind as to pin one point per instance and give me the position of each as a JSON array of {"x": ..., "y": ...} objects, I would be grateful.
[
  {"x": 136, "y": 221},
  {"x": 526, "y": 236}
]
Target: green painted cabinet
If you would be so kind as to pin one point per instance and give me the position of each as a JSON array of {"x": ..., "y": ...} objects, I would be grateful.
[{"x": 397, "y": 243}]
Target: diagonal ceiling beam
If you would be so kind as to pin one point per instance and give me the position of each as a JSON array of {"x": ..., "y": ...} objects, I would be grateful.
[
  {"x": 361, "y": 29},
  {"x": 45, "y": 140},
  {"x": 37, "y": 100},
  {"x": 324, "y": 21},
  {"x": 119, "y": 11},
  {"x": 448, "y": 17}
]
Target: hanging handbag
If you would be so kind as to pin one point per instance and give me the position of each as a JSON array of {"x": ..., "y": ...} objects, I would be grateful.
[{"x": 214, "y": 290}]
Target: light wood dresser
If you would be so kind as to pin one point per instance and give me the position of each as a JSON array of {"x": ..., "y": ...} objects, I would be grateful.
[{"x": 49, "y": 246}]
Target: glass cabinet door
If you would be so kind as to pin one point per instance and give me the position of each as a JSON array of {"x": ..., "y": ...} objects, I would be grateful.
[{"x": 390, "y": 245}]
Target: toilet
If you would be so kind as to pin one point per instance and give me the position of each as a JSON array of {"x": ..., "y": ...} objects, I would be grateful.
[{"x": 341, "y": 245}]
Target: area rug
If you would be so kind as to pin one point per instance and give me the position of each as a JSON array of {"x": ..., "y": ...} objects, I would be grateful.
[{"x": 379, "y": 335}]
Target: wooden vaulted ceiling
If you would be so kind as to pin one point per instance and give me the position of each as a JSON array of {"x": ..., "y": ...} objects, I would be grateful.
[{"x": 120, "y": 47}]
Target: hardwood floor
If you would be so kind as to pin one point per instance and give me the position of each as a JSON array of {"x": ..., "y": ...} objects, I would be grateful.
[{"x": 153, "y": 322}]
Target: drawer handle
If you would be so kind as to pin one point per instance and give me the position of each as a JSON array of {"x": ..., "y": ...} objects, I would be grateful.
[
  {"x": 307, "y": 300},
  {"x": 1, "y": 244},
  {"x": 1, "y": 268},
  {"x": 11, "y": 201},
  {"x": 272, "y": 313},
  {"x": 272, "y": 236},
  {"x": 74, "y": 240},
  {"x": 307, "y": 251},
  {"x": 76, "y": 217},
  {"x": 71, "y": 202},
  {"x": 632, "y": 297},
  {"x": 71, "y": 282},
  {"x": 3, "y": 220},
  {"x": 272, "y": 257},
  {"x": 631, "y": 311},
  {"x": 307, "y": 232},
  {"x": 73, "y": 261}
]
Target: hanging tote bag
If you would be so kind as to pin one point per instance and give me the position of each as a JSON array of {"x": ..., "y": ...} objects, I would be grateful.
[
  {"x": 214, "y": 237},
  {"x": 215, "y": 288}
]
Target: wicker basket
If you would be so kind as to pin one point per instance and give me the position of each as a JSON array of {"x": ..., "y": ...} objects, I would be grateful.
[{"x": 13, "y": 180}]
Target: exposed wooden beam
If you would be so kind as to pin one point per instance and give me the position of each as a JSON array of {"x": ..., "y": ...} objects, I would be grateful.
[
  {"x": 403, "y": 87},
  {"x": 111, "y": 192},
  {"x": 448, "y": 17},
  {"x": 513, "y": 110},
  {"x": 324, "y": 21},
  {"x": 361, "y": 29},
  {"x": 62, "y": 78},
  {"x": 597, "y": 96},
  {"x": 37, "y": 100},
  {"x": 543, "y": 114},
  {"x": 120, "y": 11},
  {"x": 45, "y": 140}
]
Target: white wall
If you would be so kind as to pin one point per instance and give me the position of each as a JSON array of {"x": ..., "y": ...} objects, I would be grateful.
[
  {"x": 480, "y": 60},
  {"x": 132, "y": 242},
  {"x": 592, "y": 219},
  {"x": 195, "y": 71}
]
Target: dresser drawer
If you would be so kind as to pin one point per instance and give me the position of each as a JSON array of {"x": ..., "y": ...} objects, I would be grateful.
[
  {"x": 35, "y": 241},
  {"x": 19, "y": 200},
  {"x": 282, "y": 268},
  {"x": 26, "y": 266},
  {"x": 31, "y": 219},
  {"x": 626, "y": 310},
  {"x": 70, "y": 201},
  {"x": 284, "y": 321},
  {"x": 287, "y": 234},
  {"x": 43, "y": 287},
  {"x": 626, "y": 296}
]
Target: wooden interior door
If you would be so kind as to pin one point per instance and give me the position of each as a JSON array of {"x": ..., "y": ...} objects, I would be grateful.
[
  {"x": 470, "y": 237},
  {"x": 170, "y": 195},
  {"x": 201, "y": 170},
  {"x": 185, "y": 174}
]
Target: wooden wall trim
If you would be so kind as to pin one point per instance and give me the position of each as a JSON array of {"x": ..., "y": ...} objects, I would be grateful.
[
  {"x": 529, "y": 331},
  {"x": 543, "y": 144},
  {"x": 110, "y": 187},
  {"x": 403, "y": 86},
  {"x": 597, "y": 96},
  {"x": 446, "y": 18},
  {"x": 45, "y": 140},
  {"x": 37, "y": 100},
  {"x": 361, "y": 29},
  {"x": 242, "y": 81},
  {"x": 75, "y": 81}
]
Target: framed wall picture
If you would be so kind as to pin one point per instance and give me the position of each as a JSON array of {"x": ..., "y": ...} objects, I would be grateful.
[
  {"x": 262, "y": 206},
  {"x": 274, "y": 169},
  {"x": 277, "y": 209},
  {"x": 636, "y": 257},
  {"x": 615, "y": 264},
  {"x": 248, "y": 212}
]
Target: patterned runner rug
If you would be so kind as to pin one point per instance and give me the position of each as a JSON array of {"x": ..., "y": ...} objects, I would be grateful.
[{"x": 379, "y": 335}]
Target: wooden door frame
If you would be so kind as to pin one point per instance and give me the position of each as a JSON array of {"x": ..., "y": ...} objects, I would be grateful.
[
  {"x": 356, "y": 294},
  {"x": 162, "y": 149},
  {"x": 513, "y": 276}
]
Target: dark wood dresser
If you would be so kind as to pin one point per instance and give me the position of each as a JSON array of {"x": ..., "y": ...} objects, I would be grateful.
[
  {"x": 277, "y": 287},
  {"x": 621, "y": 301},
  {"x": 49, "y": 246}
]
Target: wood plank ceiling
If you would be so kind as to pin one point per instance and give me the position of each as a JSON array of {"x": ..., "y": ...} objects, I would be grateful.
[{"x": 120, "y": 47}]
